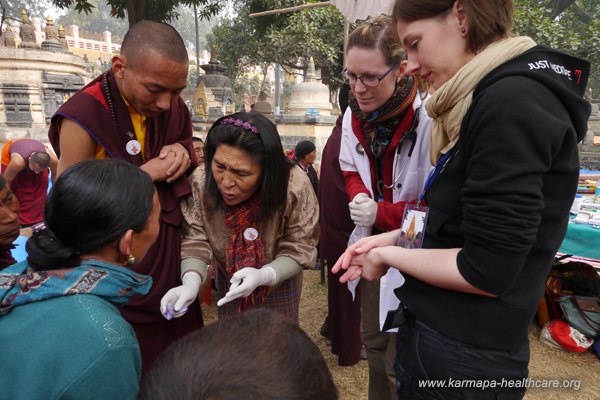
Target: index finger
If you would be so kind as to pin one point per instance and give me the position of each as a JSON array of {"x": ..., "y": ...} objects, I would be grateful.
[{"x": 337, "y": 267}]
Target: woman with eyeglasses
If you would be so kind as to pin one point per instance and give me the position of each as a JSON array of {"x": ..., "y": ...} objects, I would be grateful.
[{"x": 384, "y": 156}]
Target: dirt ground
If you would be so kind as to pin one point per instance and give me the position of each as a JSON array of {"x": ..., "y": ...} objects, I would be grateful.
[{"x": 546, "y": 363}]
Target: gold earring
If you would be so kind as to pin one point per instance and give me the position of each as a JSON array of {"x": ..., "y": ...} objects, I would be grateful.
[
  {"x": 130, "y": 260},
  {"x": 463, "y": 31}
]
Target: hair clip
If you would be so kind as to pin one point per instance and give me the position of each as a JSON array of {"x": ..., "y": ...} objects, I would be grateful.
[{"x": 242, "y": 124}]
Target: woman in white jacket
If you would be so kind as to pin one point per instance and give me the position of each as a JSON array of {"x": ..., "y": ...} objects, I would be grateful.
[{"x": 384, "y": 156}]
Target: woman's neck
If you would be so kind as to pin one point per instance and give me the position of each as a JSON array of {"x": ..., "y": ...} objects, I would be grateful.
[{"x": 107, "y": 255}]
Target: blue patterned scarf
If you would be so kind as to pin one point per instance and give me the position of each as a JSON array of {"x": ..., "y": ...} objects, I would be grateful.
[{"x": 21, "y": 285}]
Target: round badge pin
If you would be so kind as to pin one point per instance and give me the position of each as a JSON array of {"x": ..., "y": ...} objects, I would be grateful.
[
  {"x": 250, "y": 234},
  {"x": 359, "y": 149},
  {"x": 133, "y": 147}
]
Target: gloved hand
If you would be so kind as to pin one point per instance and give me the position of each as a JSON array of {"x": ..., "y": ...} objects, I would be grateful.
[
  {"x": 363, "y": 210},
  {"x": 244, "y": 281},
  {"x": 175, "y": 302}
]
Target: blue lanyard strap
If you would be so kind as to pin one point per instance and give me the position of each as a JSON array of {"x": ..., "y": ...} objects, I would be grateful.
[{"x": 439, "y": 167}]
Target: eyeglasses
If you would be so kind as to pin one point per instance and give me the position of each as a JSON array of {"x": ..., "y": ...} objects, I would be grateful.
[{"x": 367, "y": 80}]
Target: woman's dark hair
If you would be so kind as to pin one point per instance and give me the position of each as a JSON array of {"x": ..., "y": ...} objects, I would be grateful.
[
  {"x": 265, "y": 147},
  {"x": 256, "y": 355},
  {"x": 489, "y": 20},
  {"x": 92, "y": 204}
]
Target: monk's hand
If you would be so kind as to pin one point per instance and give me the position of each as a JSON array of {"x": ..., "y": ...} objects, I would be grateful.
[
  {"x": 244, "y": 281},
  {"x": 180, "y": 164},
  {"x": 158, "y": 167}
]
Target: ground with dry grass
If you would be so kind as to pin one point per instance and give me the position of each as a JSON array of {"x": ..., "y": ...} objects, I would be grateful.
[{"x": 546, "y": 363}]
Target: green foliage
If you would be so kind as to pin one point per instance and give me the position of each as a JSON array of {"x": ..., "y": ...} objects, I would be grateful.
[
  {"x": 575, "y": 31},
  {"x": 138, "y": 10},
  {"x": 192, "y": 78},
  {"x": 286, "y": 39},
  {"x": 185, "y": 25},
  {"x": 11, "y": 9},
  {"x": 98, "y": 20}
]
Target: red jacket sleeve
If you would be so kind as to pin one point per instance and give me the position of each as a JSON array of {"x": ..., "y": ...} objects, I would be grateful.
[
  {"x": 389, "y": 215},
  {"x": 354, "y": 184}
]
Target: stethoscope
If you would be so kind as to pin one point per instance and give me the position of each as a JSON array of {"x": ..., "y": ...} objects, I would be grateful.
[{"x": 412, "y": 136}]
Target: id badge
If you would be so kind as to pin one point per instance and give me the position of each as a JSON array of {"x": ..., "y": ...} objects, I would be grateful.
[{"x": 413, "y": 226}]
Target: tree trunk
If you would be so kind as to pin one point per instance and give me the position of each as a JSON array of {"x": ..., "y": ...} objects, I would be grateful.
[
  {"x": 261, "y": 91},
  {"x": 131, "y": 12},
  {"x": 136, "y": 11}
]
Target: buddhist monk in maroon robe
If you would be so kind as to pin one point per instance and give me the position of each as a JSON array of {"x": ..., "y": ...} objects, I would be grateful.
[{"x": 134, "y": 112}]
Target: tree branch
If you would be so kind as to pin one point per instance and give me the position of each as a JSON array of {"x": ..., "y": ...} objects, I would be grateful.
[{"x": 289, "y": 9}]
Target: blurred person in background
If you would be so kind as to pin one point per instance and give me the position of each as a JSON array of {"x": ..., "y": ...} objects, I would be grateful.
[
  {"x": 9, "y": 223},
  {"x": 26, "y": 164}
]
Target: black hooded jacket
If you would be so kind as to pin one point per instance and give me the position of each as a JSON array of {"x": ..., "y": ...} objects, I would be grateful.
[{"x": 504, "y": 198}]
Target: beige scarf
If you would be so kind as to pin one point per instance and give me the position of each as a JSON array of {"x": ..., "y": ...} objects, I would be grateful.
[{"x": 450, "y": 102}]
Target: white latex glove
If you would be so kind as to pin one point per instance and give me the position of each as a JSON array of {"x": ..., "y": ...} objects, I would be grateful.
[
  {"x": 363, "y": 210},
  {"x": 244, "y": 281},
  {"x": 175, "y": 302}
]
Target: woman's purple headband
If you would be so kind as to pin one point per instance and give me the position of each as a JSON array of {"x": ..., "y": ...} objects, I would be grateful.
[{"x": 238, "y": 122}]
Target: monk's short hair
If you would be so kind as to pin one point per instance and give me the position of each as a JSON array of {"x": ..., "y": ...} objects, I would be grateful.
[
  {"x": 41, "y": 158},
  {"x": 150, "y": 36}
]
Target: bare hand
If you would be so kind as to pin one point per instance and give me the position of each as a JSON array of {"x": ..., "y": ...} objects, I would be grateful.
[
  {"x": 158, "y": 167},
  {"x": 369, "y": 266},
  {"x": 180, "y": 163},
  {"x": 362, "y": 246}
]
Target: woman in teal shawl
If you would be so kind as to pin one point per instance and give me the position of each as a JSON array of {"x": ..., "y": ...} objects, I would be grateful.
[{"x": 62, "y": 336}]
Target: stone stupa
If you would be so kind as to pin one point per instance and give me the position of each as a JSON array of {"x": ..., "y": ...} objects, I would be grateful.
[
  {"x": 219, "y": 95},
  {"x": 310, "y": 95}
]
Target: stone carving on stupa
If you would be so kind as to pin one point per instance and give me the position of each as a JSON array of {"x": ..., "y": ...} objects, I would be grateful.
[
  {"x": 27, "y": 33},
  {"x": 62, "y": 38},
  {"x": 9, "y": 37},
  {"x": 200, "y": 105},
  {"x": 51, "y": 43}
]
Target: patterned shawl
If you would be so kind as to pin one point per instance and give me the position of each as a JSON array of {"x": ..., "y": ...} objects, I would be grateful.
[{"x": 20, "y": 285}]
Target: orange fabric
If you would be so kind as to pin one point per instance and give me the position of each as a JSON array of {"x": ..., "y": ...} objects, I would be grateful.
[{"x": 6, "y": 153}]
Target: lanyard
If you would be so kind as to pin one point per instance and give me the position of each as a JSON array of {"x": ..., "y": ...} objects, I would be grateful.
[{"x": 439, "y": 168}]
